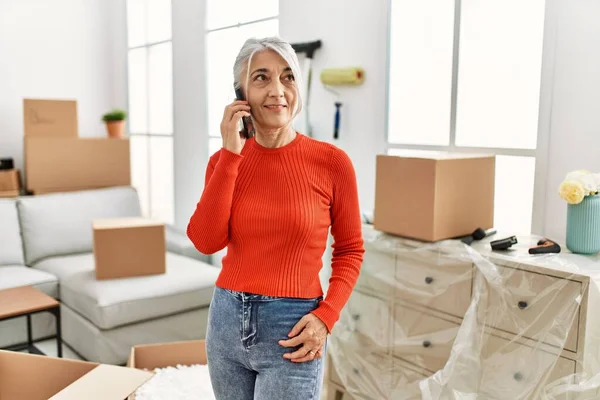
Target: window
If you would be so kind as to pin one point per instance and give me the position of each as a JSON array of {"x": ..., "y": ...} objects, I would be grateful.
[
  {"x": 229, "y": 24},
  {"x": 150, "y": 98},
  {"x": 466, "y": 77}
]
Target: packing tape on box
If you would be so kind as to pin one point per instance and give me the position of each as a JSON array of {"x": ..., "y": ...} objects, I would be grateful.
[{"x": 343, "y": 76}]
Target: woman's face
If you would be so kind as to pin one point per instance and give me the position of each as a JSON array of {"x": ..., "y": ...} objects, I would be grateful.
[{"x": 271, "y": 91}]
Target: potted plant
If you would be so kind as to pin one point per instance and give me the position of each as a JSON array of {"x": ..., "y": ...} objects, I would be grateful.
[
  {"x": 115, "y": 122},
  {"x": 580, "y": 190}
]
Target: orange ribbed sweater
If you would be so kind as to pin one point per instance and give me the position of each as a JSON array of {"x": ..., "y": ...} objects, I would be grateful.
[{"x": 272, "y": 208}]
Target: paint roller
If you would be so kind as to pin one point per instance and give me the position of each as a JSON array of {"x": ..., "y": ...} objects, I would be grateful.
[{"x": 341, "y": 77}]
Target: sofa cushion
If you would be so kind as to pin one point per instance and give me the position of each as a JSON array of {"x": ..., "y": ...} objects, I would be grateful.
[
  {"x": 19, "y": 275},
  {"x": 179, "y": 243},
  {"x": 11, "y": 247},
  {"x": 61, "y": 223},
  {"x": 186, "y": 285}
]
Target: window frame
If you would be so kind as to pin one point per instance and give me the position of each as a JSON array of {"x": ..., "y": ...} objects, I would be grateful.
[
  {"x": 147, "y": 135},
  {"x": 540, "y": 153}
]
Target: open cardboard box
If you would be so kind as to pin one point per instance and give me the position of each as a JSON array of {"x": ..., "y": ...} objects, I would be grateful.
[
  {"x": 32, "y": 377},
  {"x": 162, "y": 355}
]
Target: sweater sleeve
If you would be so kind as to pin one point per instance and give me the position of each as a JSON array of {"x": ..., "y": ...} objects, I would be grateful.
[
  {"x": 208, "y": 228},
  {"x": 348, "y": 246}
]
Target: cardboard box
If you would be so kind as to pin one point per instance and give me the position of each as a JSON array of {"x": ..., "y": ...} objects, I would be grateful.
[
  {"x": 126, "y": 247},
  {"x": 50, "y": 118},
  {"x": 10, "y": 194},
  {"x": 10, "y": 180},
  {"x": 57, "y": 160},
  {"x": 39, "y": 192},
  {"x": 66, "y": 164},
  {"x": 435, "y": 197},
  {"x": 33, "y": 377},
  {"x": 162, "y": 355}
]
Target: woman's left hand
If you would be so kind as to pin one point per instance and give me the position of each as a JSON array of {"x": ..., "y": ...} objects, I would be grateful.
[{"x": 311, "y": 333}]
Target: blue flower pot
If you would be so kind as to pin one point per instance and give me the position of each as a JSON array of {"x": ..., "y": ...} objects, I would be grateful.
[{"x": 583, "y": 226}]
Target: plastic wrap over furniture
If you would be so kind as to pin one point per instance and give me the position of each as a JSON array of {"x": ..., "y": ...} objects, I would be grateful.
[{"x": 449, "y": 321}]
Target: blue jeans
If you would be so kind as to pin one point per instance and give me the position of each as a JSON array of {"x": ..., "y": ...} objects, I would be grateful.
[{"x": 245, "y": 360}]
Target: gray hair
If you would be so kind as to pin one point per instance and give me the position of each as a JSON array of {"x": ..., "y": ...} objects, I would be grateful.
[{"x": 281, "y": 47}]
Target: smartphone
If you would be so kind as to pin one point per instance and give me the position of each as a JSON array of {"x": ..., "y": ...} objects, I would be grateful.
[{"x": 245, "y": 131}]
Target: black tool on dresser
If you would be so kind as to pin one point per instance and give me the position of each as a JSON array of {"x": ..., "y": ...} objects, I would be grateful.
[
  {"x": 477, "y": 234},
  {"x": 6, "y": 163},
  {"x": 503, "y": 244}
]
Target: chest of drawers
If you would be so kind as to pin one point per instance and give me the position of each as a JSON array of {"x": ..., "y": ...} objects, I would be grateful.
[{"x": 446, "y": 321}]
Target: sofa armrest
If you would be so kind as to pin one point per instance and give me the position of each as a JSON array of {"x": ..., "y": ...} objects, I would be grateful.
[{"x": 178, "y": 243}]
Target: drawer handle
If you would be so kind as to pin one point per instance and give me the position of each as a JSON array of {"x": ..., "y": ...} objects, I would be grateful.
[
  {"x": 426, "y": 344},
  {"x": 522, "y": 305},
  {"x": 428, "y": 280},
  {"x": 518, "y": 376}
]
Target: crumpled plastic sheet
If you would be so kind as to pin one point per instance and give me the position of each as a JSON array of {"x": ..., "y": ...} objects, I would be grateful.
[{"x": 446, "y": 320}]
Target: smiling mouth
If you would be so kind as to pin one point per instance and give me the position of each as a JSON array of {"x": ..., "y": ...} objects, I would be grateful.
[{"x": 276, "y": 106}]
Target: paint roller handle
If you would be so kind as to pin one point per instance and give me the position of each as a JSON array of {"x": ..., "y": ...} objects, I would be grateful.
[
  {"x": 307, "y": 47},
  {"x": 336, "y": 126}
]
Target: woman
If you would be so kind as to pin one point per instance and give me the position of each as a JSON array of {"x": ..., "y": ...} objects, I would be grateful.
[{"x": 271, "y": 200}]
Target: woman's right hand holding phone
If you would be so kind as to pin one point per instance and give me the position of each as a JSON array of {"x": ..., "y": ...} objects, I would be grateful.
[{"x": 232, "y": 138}]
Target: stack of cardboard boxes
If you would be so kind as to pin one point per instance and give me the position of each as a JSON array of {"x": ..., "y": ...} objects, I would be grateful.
[{"x": 58, "y": 160}]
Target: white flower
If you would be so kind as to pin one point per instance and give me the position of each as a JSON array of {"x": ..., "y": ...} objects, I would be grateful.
[
  {"x": 589, "y": 181},
  {"x": 572, "y": 191},
  {"x": 596, "y": 178}
]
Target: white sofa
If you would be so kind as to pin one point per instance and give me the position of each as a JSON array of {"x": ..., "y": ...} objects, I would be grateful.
[{"x": 46, "y": 241}]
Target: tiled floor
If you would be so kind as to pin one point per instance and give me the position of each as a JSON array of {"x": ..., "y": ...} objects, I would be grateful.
[{"x": 48, "y": 347}]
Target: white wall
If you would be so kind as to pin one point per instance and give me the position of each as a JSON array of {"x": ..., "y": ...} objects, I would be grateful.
[
  {"x": 63, "y": 49},
  {"x": 574, "y": 141}
]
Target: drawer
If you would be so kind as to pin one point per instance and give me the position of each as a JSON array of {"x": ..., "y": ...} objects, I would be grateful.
[
  {"x": 406, "y": 381},
  {"x": 362, "y": 373},
  {"x": 422, "y": 339},
  {"x": 536, "y": 306},
  {"x": 337, "y": 393},
  {"x": 435, "y": 281},
  {"x": 406, "y": 374},
  {"x": 367, "y": 320},
  {"x": 377, "y": 273},
  {"x": 513, "y": 371}
]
